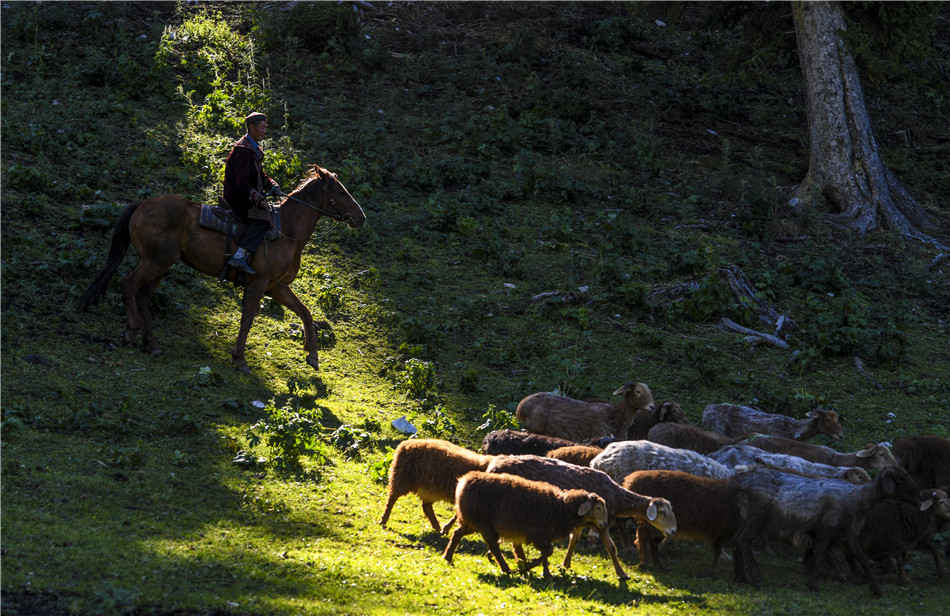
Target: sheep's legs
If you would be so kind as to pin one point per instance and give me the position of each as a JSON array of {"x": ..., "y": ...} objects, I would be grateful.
[
  {"x": 491, "y": 539},
  {"x": 453, "y": 545},
  {"x": 447, "y": 525},
  {"x": 851, "y": 544},
  {"x": 430, "y": 515}
]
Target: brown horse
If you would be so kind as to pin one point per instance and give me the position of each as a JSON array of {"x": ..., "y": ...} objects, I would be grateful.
[{"x": 165, "y": 230}]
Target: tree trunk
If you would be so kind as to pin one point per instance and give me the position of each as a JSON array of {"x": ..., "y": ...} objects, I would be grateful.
[{"x": 846, "y": 166}]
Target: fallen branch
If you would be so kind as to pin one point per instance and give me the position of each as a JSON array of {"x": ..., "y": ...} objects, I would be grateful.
[{"x": 754, "y": 336}]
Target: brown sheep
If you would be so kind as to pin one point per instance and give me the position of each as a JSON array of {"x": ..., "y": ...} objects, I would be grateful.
[
  {"x": 621, "y": 503},
  {"x": 576, "y": 420},
  {"x": 926, "y": 459},
  {"x": 872, "y": 457},
  {"x": 892, "y": 529},
  {"x": 581, "y": 455},
  {"x": 521, "y": 511},
  {"x": 514, "y": 442},
  {"x": 705, "y": 510},
  {"x": 685, "y": 436},
  {"x": 643, "y": 421},
  {"x": 430, "y": 468},
  {"x": 736, "y": 420}
]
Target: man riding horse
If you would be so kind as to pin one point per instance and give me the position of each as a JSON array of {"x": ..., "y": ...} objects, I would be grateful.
[{"x": 246, "y": 188}]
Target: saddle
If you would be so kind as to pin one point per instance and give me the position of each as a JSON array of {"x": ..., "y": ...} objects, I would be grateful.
[{"x": 221, "y": 218}]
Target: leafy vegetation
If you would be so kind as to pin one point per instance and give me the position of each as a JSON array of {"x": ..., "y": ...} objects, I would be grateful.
[{"x": 553, "y": 191}]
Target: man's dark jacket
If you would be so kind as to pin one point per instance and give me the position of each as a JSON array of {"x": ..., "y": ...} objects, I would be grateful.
[{"x": 245, "y": 182}]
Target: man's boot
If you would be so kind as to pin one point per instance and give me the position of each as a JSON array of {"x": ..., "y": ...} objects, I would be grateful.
[{"x": 239, "y": 260}]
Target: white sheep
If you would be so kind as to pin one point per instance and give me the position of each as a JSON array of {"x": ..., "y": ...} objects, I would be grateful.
[
  {"x": 624, "y": 457},
  {"x": 501, "y": 506}
]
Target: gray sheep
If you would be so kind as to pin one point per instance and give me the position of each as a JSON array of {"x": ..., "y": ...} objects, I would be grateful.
[
  {"x": 521, "y": 511},
  {"x": 735, "y": 456},
  {"x": 872, "y": 457},
  {"x": 812, "y": 514},
  {"x": 737, "y": 420},
  {"x": 577, "y": 420}
]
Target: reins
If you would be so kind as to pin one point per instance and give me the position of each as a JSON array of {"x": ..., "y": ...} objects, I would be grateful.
[{"x": 334, "y": 216}]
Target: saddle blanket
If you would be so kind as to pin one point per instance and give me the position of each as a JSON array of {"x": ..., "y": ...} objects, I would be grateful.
[{"x": 220, "y": 219}]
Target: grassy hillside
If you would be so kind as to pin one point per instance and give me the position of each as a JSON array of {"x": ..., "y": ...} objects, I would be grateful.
[{"x": 555, "y": 194}]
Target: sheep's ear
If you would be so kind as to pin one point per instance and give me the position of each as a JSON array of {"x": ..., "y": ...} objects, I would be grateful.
[
  {"x": 651, "y": 512},
  {"x": 931, "y": 499},
  {"x": 867, "y": 452},
  {"x": 888, "y": 483},
  {"x": 815, "y": 414},
  {"x": 584, "y": 508}
]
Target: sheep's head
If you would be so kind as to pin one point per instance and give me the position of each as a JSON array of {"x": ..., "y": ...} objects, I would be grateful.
[
  {"x": 670, "y": 412},
  {"x": 877, "y": 457},
  {"x": 594, "y": 511},
  {"x": 827, "y": 423},
  {"x": 897, "y": 484},
  {"x": 660, "y": 516},
  {"x": 637, "y": 396},
  {"x": 937, "y": 501}
]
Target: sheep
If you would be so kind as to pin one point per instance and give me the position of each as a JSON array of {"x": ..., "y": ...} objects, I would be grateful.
[
  {"x": 576, "y": 420},
  {"x": 580, "y": 455},
  {"x": 705, "y": 510},
  {"x": 926, "y": 459},
  {"x": 685, "y": 436},
  {"x": 515, "y": 442},
  {"x": 734, "y": 456},
  {"x": 812, "y": 513},
  {"x": 893, "y": 528},
  {"x": 620, "y": 502},
  {"x": 624, "y": 457},
  {"x": 872, "y": 457},
  {"x": 501, "y": 506},
  {"x": 643, "y": 421},
  {"x": 736, "y": 420},
  {"x": 430, "y": 468}
]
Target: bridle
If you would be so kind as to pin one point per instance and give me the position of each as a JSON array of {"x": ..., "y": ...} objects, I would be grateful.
[{"x": 326, "y": 199}]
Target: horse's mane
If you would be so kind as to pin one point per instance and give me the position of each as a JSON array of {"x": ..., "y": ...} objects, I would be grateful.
[{"x": 314, "y": 173}]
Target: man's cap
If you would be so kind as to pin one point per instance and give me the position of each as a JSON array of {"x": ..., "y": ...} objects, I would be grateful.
[{"x": 255, "y": 117}]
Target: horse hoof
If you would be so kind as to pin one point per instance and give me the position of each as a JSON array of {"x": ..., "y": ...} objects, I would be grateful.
[{"x": 313, "y": 361}]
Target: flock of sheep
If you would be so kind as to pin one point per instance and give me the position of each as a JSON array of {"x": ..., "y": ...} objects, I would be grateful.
[{"x": 748, "y": 478}]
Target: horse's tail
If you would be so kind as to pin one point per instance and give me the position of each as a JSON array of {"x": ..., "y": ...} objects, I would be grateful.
[{"x": 121, "y": 239}]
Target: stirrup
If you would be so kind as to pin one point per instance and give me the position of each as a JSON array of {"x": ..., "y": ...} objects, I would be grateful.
[{"x": 241, "y": 264}]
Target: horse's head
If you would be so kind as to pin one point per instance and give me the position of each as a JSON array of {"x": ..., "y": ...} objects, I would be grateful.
[{"x": 331, "y": 198}]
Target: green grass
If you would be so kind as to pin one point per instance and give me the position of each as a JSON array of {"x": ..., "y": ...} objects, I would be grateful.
[{"x": 535, "y": 148}]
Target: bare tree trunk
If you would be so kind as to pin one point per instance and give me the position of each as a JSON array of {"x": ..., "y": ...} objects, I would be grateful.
[{"x": 846, "y": 166}]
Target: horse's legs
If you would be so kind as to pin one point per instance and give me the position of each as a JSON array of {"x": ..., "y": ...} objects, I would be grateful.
[
  {"x": 144, "y": 297},
  {"x": 285, "y": 295},
  {"x": 253, "y": 294}
]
